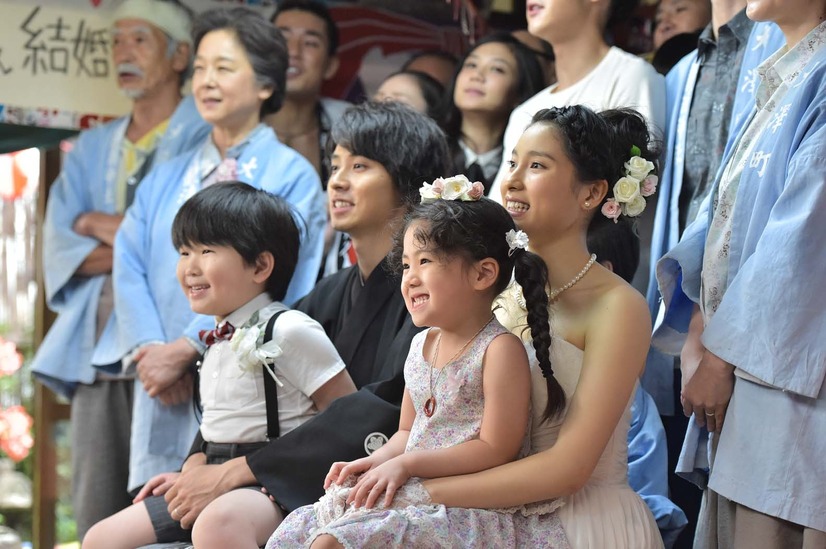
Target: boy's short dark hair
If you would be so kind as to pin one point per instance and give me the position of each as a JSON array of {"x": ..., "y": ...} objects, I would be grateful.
[
  {"x": 249, "y": 220},
  {"x": 319, "y": 10},
  {"x": 620, "y": 11}
]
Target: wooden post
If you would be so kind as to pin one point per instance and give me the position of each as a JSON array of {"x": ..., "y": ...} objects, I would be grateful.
[{"x": 47, "y": 409}]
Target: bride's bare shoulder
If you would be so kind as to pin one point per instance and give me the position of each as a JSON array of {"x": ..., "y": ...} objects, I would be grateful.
[{"x": 621, "y": 302}]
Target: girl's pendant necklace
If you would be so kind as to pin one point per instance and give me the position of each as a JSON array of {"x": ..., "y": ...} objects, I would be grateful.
[{"x": 429, "y": 407}]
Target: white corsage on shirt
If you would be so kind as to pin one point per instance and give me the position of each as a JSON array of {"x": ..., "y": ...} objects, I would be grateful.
[{"x": 248, "y": 345}]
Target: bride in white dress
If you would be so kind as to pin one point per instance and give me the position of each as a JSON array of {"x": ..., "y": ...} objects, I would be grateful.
[{"x": 571, "y": 168}]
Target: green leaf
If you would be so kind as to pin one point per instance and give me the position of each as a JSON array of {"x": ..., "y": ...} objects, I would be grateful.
[{"x": 635, "y": 151}]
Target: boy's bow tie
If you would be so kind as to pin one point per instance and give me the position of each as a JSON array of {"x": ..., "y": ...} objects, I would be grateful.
[{"x": 220, "y": 333}]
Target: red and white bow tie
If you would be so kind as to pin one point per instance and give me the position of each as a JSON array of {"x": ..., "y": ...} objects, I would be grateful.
[{"x": 220, "y": 333}]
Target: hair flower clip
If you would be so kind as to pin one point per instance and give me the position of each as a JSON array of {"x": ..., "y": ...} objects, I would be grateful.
[
  {"x": 631, "y": 190},
  {"x": 517, "y": 240},
  {"x": 457, "y": 187}
]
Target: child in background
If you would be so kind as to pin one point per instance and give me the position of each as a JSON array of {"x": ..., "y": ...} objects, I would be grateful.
[
  {"x": 617, "y": 247},
  {"x": 232, "y": 267},
  {"x": 467, "y": 396},
  {"x": 676, "y": 17}
]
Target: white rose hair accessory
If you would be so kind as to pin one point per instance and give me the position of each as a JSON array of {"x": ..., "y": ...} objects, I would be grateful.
[
  {"x": 517, "y": 240},
  {"x": 631, "y": 190},
  {"x": 457, "y": 187}
]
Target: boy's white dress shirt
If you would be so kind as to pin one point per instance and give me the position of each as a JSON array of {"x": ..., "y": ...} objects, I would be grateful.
[{"x": 233, "y": 398}]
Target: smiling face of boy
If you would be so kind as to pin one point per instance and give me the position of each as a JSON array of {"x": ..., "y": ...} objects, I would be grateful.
[{"x": 217, "y": 281}]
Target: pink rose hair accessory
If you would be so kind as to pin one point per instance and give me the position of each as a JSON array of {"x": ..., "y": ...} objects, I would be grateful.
[
  {"x": 649, "y": 185},
  {"x": 611, "y": 209}
]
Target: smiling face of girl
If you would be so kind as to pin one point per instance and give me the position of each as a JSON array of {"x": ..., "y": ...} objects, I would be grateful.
[
  {"x": 433, "y": 283},
  {"x": 542, "y": 191}
]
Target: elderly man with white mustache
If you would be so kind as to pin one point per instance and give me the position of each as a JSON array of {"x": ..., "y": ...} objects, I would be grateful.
[{"x": 151, "y": 53}]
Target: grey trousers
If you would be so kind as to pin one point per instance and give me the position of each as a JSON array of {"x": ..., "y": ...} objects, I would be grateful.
[
  {"x": 724, "y": 524},
  {"x": 101, "y": 419}
]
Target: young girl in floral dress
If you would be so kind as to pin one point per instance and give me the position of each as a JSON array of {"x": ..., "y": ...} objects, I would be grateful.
[{"x": 467, "y": 398}]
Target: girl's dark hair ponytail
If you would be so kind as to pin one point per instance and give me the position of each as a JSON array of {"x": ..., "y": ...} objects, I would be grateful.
[{"x": 531, "y": 274}]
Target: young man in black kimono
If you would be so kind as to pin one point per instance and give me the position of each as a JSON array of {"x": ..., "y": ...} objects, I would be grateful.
[{"x": 383, "y": 153}]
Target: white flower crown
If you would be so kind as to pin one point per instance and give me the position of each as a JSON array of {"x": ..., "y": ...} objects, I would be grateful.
[
  {"x": 457, "y": 187},
  {"x": 630, "y": 191}
]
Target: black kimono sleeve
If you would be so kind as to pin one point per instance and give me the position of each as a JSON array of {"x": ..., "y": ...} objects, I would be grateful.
[
  {"x": 293, "y": 467},
  {"x": 373, "y": 339}
]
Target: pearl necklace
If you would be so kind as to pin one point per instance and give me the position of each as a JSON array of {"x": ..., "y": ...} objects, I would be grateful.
[
  {"x": 430, "y": 404},
  {"x": 553, "y": 294}
]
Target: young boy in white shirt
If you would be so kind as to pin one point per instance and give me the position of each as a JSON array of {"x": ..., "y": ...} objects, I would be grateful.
[{"x": 267, "y": 368}]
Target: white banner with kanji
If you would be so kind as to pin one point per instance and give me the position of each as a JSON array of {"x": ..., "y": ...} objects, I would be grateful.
[{"x": 56, "y": 66}]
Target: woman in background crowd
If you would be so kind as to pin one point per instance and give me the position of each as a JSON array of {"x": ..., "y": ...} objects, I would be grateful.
[{"x": 495, "y": 76}]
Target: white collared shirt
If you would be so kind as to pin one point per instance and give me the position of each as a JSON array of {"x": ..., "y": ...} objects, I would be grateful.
[
  {"x": 233, "y": 399},
  {"x": 489, "y": 161}
]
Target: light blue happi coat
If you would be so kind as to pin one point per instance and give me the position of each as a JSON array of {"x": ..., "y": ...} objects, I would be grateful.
[
  {"x": 87, "y": 183},
  {"x": 771, "y": 321},
  {"x": 149, "y": 303},
  {"x": 764, "y": 40}
]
